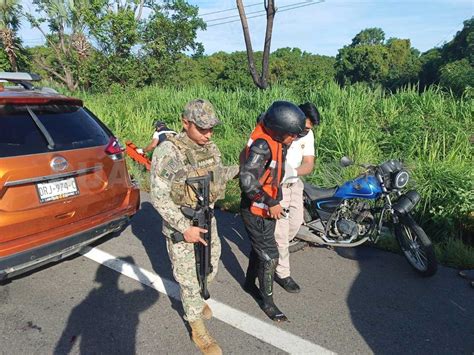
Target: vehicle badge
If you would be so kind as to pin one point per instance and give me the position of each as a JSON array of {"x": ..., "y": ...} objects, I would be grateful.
[{"x": 59, "y": 163}]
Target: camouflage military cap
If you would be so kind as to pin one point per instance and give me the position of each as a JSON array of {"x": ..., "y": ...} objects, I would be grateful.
[{"x": 202, "y": 113}]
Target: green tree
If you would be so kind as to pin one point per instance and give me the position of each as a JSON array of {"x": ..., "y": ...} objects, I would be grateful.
[
  {"x": 10, "y": 12},
  {"x": 234, "y": 74},
  {"x": 5, "y": 64},
  {"x": 367, "y": 63},
  {"x": 79, "y": 41},
  {"x": 457, "y": 76},
  {"x": 462, "y": 45},
  {"x": 290, "y": 67},
  {"x": 66, "y": 39},
  {"x": 447, "y": 65},
  {"x": 47, "y": 54},
  {"x": 371, "y": 59},
  {"x": 189, "y": 71},
  {"x": 403, "y": 63},
  {"x": 114, "y": 25},
  {"x": 169, "y": 32},
  {"x": 103, "y": 72},
  {"x": 129, "y": 48},
  {"x": 297, "y": 69},
  {"x": 430, "y": 62},
  {"x": 285, "y": 65},
  {"x": 365, "y": 59},
  {"x": 369, "y": 37},
  {"x": 138, "y": 50},
  {"x": 213, "y": 66}
]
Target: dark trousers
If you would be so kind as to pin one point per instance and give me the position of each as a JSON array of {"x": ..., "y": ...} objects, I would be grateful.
[
  {"x": 263, "y": 258},
  {"x": 261, "y": 232}
]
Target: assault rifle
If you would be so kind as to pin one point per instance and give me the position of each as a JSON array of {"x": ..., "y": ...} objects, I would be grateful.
[{"x": 201, "y": 217}]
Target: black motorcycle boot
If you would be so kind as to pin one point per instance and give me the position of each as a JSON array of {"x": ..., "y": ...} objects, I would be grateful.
[
  {"x": 266, "y": 273},
  {"x": 251, "y": 276},
  {"x": 288, "y": 284}
]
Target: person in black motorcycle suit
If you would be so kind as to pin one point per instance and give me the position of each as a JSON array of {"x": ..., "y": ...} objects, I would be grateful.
[{"x": 261, "y": 171}]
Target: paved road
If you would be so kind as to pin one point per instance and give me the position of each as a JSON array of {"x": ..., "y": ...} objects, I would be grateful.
[{"x": 360, "y": 301}]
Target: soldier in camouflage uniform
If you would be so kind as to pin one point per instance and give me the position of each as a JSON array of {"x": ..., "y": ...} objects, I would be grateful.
[{"x": 190, "y": 153}]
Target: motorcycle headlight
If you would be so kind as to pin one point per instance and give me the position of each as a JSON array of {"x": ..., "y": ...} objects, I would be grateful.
[{"x": 401, "y": 179}]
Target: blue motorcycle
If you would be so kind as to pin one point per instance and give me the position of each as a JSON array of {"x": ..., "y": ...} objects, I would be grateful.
[{"x": 363, "y": 208}]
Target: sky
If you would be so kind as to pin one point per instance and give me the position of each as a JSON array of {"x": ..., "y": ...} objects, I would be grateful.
[{"x": 322, "y": 27}]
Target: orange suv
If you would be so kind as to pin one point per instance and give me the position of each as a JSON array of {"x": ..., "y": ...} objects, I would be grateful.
[{"x": 63, "y": 178}]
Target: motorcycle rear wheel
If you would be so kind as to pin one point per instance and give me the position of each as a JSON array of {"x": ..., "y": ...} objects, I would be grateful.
[{"x": 416, "y": 246}]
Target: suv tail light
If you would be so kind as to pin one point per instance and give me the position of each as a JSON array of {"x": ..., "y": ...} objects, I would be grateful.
[{"x": 114, "y": 149}]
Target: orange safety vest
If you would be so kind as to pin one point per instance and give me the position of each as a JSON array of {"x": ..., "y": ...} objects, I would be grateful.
[{"x": 272, "y": 176}]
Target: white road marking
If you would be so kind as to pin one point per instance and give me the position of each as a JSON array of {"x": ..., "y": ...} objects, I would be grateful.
[{"x": 268, "y": 333}]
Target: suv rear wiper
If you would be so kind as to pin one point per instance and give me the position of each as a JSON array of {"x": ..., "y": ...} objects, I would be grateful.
[{"x": 42, "y": 128}]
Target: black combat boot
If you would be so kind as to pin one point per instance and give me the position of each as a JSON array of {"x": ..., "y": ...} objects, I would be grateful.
[
  {"x": 251, "y": 276},
  {"x": 266, "y": 273}
]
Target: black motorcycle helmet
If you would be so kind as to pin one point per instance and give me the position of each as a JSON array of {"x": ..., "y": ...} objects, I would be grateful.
[
  {"x": 159, "y": 125},
  {"x": 283, "y": 117}
]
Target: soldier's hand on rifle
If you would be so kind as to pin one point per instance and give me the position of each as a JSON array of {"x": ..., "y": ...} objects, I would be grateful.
[
  {"x": 193, "y": 235},
  {"x": 276, "y": 211}
]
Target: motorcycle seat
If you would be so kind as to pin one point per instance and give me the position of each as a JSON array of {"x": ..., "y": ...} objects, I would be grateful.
[{"x": 316, "y": 193}]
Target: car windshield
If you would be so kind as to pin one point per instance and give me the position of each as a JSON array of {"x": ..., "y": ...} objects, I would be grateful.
[{"x": 70, "y": 127}]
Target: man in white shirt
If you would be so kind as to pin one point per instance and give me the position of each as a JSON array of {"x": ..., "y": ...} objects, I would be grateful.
[
  {"x": 160, "y": 135},
  {"x": 299, "y": 162}
]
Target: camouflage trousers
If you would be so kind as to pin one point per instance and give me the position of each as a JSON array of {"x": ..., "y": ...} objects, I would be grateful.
[{"x": 183, "y": 262}]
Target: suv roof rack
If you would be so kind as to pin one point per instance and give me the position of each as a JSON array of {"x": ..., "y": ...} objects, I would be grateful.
[
  {"x": 18, "y": 76},
  {"x": 23, "y": 79}
]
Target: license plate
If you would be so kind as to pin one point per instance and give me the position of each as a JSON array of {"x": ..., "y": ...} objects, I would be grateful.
[{"x": 56, "y": 190}]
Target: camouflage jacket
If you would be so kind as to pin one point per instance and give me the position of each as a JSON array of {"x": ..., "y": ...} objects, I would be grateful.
[{"x": 170, "y": 167}]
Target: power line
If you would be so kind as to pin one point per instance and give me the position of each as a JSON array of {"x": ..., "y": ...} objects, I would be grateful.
[
  {"x": 32, "y": 42},
  {"x": 227, "y": 17},
  {"x": 288, "y": 8},
  {"x": 259, "y": 11},
  {"x": 450, "y": 34},
  {"x": 227, "y": 10}
]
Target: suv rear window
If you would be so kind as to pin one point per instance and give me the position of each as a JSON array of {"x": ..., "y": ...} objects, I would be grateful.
[{"x": 70, "y": 127}]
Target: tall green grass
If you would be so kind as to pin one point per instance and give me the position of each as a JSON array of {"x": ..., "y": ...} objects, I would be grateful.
[{"x": 430, "y": 132}]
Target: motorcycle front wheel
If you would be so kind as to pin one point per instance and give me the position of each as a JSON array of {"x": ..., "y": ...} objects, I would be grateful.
[{"x": 416, "y": 246}]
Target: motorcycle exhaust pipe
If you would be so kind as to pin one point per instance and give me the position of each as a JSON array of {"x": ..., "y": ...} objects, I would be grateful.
[{"x": 305, "y": 234}]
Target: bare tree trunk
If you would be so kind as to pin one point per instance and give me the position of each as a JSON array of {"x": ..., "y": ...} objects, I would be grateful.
[
  {"x": 140, "y": 10},
  {"x": 270, "y": 9},
  {"x": 248, "y": 44},
  {"x": 61, "y": 41},
  {"x": 261, "y": 81},
  {"x": 71, "y": 85},
  {"x": 12, "y": 59}
]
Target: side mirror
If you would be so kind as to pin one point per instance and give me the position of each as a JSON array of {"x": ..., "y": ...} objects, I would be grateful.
[{"x": 346, "y": 161}]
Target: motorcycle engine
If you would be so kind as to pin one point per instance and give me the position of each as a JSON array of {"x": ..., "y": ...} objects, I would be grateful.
[
  {"x": 351, "y": 220},
  {"x": 345, "y": 226}
]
